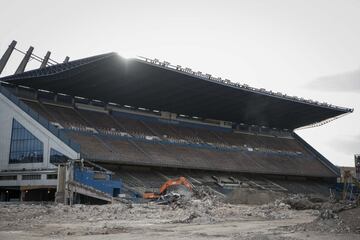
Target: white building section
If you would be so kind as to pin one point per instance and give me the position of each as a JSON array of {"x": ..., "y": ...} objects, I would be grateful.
[{"x": 28, "y": 173}]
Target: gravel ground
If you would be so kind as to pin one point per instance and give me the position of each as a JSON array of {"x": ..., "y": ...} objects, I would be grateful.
[{"x": 203, "y": 218}]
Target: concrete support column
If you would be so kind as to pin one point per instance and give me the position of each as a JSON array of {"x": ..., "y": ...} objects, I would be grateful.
[
  {"x": 7, "y": 55},
  {"x": 46, "y": 59},
  {"x": 22, "y": 195},
  {"x": 66, "y": 59},
  {"x": 173, "y": 116},
  {"x": 60, "y": 195},
  {"x": 165, "y": 115},
  {"x": 25, "y": 61},
  {"x": 2, "y": 196}
]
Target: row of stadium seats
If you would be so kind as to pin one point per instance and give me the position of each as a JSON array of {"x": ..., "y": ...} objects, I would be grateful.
[
  {"x": 72, "y": 118},
  {"x": 142, "y": 180},
  {"x": 125, "y": 151},
  {"x": 90, "y": 128}
]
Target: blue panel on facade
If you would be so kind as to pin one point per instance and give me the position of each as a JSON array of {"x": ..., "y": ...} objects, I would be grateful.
[
  {"x": 104, "y": 183},
  {"x": 25, "y": 147}
]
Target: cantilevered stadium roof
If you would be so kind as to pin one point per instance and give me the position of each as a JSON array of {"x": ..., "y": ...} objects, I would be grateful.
[{"x": 158, "y": 86}]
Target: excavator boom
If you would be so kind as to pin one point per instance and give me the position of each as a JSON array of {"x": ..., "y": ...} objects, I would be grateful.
[{"x": 172, "y": 182}]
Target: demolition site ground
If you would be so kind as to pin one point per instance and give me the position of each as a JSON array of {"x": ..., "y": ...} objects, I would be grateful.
[{"x": 203, "y": 216}]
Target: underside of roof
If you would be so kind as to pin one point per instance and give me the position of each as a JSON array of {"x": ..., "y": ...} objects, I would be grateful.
[{"x": 111, "y": 78}]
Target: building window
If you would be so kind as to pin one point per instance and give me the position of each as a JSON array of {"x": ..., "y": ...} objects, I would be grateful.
[
  {"x": 8, "y": 177},
  {"x": 31, "y": 177},
  {"x": 57, "y": 157},
  {"x": 25, "y": 147},
  {"x": 51, "y": 176}
]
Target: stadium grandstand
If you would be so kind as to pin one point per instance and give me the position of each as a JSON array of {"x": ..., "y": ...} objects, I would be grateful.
[{"x": 149, "y": 121}]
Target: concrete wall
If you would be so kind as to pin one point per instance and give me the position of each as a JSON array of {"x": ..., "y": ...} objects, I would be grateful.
[
  {"x": 9, "y": 111},
  {"x": 29, "y": 184}
]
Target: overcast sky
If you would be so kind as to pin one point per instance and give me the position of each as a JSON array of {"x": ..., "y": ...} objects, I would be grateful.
[{"x": 308, "y": 48}]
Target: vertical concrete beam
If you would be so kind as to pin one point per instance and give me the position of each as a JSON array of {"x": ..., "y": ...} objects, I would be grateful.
[
  {"x": 2, "y": 196},
  {"x": 70, "y": 178},
  {"x": 165, "y": 115},
  {"x": 36, "y": 94},
  {"x": 60, "y": 195},
  {"x": 22, "y": 195},
  {"x": 25, "y": 61},
  {"x": 45, "y": 61},
  {"x": 222, "y": 123},
  {"x": 4, "y": 59},
  {"x": 173, "y": 116},
  {"x": 66, "y": 59},
  {"x": 357, "y": 166}
]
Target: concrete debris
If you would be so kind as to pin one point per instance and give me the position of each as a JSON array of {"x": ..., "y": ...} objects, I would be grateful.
[
  {"x": 306, "y": 214},
  {"x": 205, "y": 192},
  {"x": 331, "y": 216}
]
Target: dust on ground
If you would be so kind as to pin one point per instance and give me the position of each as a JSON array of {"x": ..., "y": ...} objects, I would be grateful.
[{"x": 204, "y": 216}]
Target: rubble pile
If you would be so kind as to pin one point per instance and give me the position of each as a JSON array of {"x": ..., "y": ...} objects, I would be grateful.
[
  {"x": 331, "y": 216},
  {"x": 300, "y": 202},
  {"x": 204, "y": 209},
  {"x": 205, "y": 206},
  {"x": 205, "y": 192},
  {"x": 276, "y": 210},
  {"x": 305, "y": 202},
  {"x": 208, "y": 206},
  {"x": 327, "y": 221}
]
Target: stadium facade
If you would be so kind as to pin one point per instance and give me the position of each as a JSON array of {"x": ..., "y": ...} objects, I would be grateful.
[{"x": 148, "y": 121}]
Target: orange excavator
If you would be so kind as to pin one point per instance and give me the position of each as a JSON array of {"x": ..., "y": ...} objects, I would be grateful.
[{"x": 170, "y": 184}]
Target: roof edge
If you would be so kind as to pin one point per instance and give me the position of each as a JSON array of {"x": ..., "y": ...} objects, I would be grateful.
[{"x": 245, "y": 87}]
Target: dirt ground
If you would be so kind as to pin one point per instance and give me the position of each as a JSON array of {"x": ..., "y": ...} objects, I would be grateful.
[{"x": 204, "y": 218}]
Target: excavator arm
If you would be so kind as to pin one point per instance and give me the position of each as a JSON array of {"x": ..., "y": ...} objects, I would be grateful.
[
  {"x": 163, "y": 189},
  {"x": 173, "y": 182}
]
